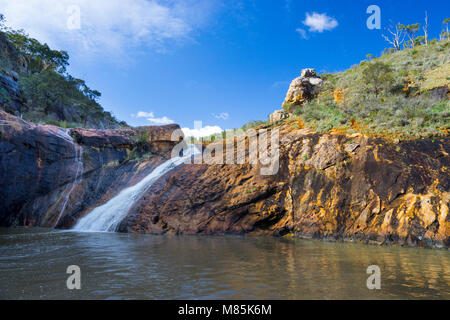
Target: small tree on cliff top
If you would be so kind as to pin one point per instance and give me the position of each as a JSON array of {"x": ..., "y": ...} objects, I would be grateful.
[
  {"x": 39, "y": 56},
  {"x": 445, "y": 34},
  {"x": 411, "y": 31},
  {"x": 377, "y": 76}
]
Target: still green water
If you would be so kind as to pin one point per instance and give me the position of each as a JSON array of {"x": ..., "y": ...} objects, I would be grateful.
[{"x": 33, "y": 265}]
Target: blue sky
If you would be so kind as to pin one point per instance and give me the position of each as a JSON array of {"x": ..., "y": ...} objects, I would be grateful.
[{"x": 222, "y": 62}]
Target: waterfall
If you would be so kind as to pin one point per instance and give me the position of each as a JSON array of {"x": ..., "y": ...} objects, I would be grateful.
[
  {"x": 108, "y": 216},
  {"x": 64, "y": 134}
]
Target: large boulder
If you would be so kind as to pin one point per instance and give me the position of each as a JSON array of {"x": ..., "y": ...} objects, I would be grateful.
[
  {"x": 278, "y": 115},
  {"x": 304, "y": 88}
]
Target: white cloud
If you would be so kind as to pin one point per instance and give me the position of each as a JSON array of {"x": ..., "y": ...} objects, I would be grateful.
[
  {"x": 202, "y": 132},
  {"x": 107, "y": 27},
  {"x": 163, "y": 120},
  {"x": 142, "y": 114},
  {"x": 151, "y": 117},
  {"x": 302, "y": 33},
  {"x": 223, "y": 116},
  {"x": 320, "y": 22}
]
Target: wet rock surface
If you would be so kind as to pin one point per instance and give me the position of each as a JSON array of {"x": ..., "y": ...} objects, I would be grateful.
[
  {"x": 40, "y": 164},
  {"x": 329, "y": 186}
]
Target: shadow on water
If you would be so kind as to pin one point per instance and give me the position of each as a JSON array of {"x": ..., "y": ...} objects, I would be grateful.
[{"x": 33, "y": 265}]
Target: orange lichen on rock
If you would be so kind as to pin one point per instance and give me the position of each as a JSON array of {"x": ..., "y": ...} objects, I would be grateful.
[
  {"x": 410, "y": 85},
  {"x": 354, "y": 124},
  {"x": 381, "y": 197},
  {"x": 338, "y": 96},
  {"x": 340, "y": 131}
]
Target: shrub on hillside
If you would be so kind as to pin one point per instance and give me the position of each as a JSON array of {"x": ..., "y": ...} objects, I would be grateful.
[{"x": 50, "y": 93}]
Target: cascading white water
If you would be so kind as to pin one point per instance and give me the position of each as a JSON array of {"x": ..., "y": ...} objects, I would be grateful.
[
  {"x": 79, "y": 173},
  {"x": 107, "y": 217}
]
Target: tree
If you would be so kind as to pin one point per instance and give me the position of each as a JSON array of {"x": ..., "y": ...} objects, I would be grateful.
[
  {"x": 88, "y": 111},
  {"x": 397, "y": 37},
  {"x": 445, "y": 34},
  {"x": 39, "y": 56},
  {"x": 46, "y": 90},
  {"x": 93, "y": 95},
  {"x": 377, "y": 76},
  {"x": 420, "y": 40},
  {"x": 425, "y": 29},
  {"x": 411, "y": 31}
]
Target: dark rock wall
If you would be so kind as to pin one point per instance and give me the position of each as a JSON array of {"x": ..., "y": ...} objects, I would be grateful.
[{"x": 38, "y": 169}]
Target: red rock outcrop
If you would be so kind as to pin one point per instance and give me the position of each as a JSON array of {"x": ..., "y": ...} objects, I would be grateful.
[
  {"x": 303, "y": 89},
  {"x": 330, "y": 186}
]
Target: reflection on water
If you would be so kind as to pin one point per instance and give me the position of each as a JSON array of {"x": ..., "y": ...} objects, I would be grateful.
[{"x": 33, "y": 265}]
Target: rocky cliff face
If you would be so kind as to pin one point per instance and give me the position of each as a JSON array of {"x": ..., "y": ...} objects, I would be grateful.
[
  {"x": 51, "y": 176},
  {"x": 12, "y": 63},
  {"x": 329, "y": 186},
  {"x": 10, "y": 96}
]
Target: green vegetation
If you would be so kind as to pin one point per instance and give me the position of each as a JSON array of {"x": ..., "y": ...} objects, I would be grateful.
[
  {"x": 39, "y": 57},
  {"x": 377, "y": 76},
  {"x": 111, "y": 164},
  {"x": 49, "y": 94},
  {"x": 411, "y": 30},
  {"x": 445, "y": 34},
  {"x": 391, "y": 95},
  {"x": 86, "y": 156},
  {"x": 226, "y": 134},
  {"x": 252, "y": 124},
  {"x": 135, "y": 154},
  {"x": 62, "y": 124},
  {"x": 142, "y": 138},
  {"x": 132, "y": 154}
]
